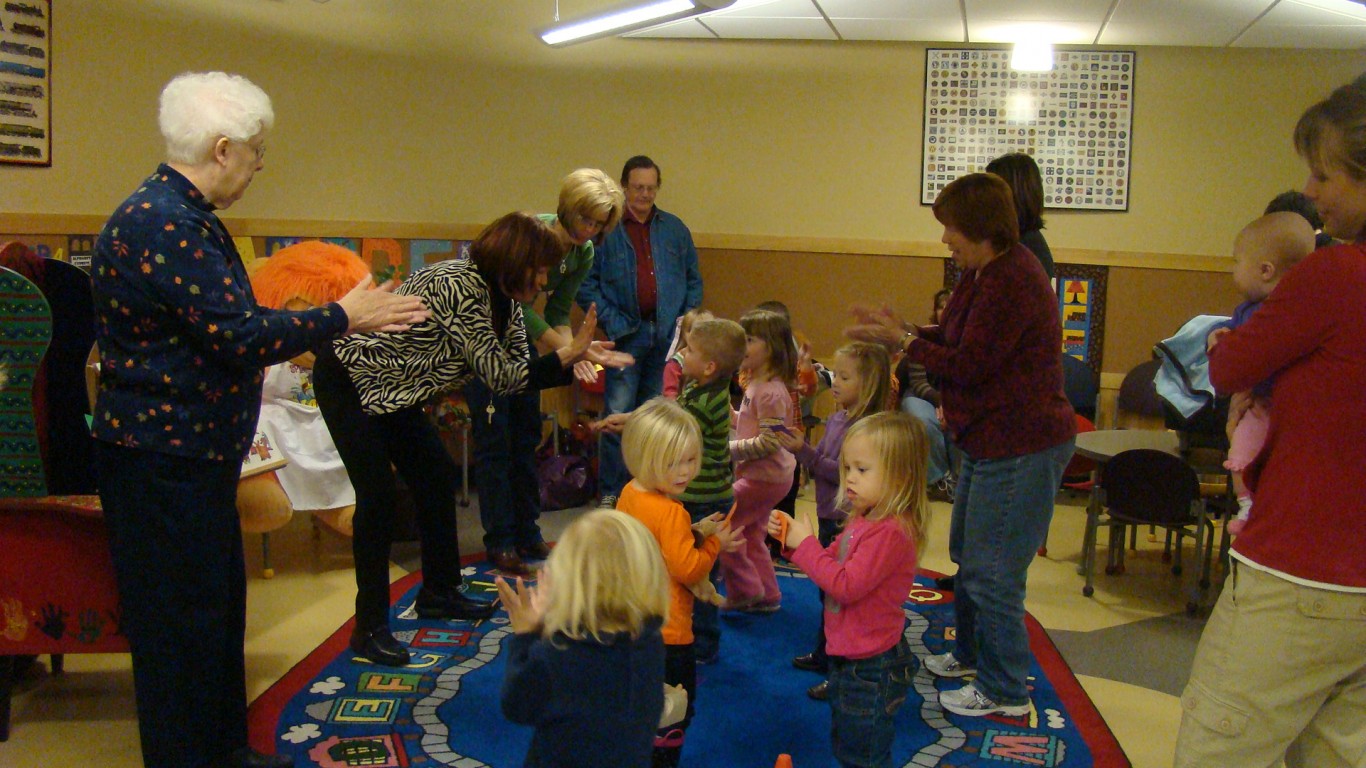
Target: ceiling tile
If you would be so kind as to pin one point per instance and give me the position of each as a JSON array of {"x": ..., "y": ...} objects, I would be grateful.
[
  {"x": 1067, "y": 11},
  {"x": 771, "y": 29},
  {"x": 1180, "y": 22},
  {"x": 1294, "y": 24},
  {"x": 767, "y": 9},
  {"x": 935, "y": 31}
]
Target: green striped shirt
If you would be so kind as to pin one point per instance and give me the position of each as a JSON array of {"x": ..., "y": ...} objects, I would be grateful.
[{"x": 710, "y": 405}]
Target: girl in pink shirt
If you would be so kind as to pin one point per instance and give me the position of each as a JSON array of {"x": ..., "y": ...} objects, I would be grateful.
[
  {"x": 866, "y": 574},
  {"x": 763, "y": 470}
]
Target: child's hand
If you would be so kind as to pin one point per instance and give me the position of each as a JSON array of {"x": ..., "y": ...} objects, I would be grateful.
[
  {"x": 585, "y": 371},
  {"x": 613, "y": 424},
  {"x": 790, "y": 442},
  {"x": 525, "y": 605},
  {"x": 796, "y": 531},
  {"x": 731, "y": 538},
  {"x": 1213, "y": 339}
]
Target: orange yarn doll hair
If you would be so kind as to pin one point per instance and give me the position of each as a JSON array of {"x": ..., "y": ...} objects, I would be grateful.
[{"x": 313, "y": 271}]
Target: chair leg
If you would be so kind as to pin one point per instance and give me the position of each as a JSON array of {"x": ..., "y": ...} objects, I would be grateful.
[
  {"x": 6, "y": 687},
  {"x": 58, "y": 663},
  {"x": 266, "y": 571}
]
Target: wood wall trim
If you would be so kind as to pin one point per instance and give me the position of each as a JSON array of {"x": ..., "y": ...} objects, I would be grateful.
[{"x": 67, "y": 224}]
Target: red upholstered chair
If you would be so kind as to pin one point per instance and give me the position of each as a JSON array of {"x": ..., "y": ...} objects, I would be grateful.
[{"x": 57, "y": 589}]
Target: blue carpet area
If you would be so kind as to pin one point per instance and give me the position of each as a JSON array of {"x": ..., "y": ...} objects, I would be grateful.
[{"x": 334, "y": 710}]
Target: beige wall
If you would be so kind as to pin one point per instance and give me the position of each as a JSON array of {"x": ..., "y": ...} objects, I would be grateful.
[{"x": 810, "y": 140}]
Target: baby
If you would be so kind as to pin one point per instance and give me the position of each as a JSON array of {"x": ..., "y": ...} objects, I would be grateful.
[{"x": 1262, "y": 253}]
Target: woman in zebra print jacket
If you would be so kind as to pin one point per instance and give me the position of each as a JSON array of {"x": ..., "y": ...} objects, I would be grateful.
[{"x": 371, "y": 389}]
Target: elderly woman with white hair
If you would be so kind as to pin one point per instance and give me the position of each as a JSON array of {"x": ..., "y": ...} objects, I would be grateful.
[{"x": 182, "y": 348}]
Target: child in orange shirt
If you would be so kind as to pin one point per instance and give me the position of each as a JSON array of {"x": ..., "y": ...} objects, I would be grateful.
[{"x": 662, "y": 448}]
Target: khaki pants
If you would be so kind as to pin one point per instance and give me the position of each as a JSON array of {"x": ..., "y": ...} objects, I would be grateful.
[{"x": 1280, "y": 674}]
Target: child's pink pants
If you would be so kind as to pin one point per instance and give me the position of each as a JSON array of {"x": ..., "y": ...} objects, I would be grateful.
[{"x": 748, "y": 571}]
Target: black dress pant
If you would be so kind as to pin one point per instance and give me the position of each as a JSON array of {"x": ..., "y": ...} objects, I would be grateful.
[
  {"x": 177, "y": 548},
  {"x": 372, "y": 447}
]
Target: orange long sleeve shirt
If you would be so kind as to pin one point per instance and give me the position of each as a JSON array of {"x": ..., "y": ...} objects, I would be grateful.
[{"x": 686, "y": 563}]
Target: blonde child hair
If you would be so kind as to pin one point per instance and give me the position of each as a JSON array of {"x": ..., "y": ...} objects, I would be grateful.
[
  {"x": 874, "y": 367},
  {"x": 775, "y": 330},
  {"x": 606, "y": 576},
  {"x": 901, "y": 447},
  {"x": 722, "y": 342},
  {"x": 656, "y": 434}
]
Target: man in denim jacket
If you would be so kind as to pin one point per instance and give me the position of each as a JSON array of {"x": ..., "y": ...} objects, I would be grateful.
[{"x": 644, "y": 278}]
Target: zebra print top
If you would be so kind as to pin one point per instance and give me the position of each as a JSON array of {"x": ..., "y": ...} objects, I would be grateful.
[{"x": 393, "y": 371}]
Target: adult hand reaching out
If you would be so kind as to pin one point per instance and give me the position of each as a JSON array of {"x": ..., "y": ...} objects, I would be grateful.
[
  {"x": 583, "y": 347},
  {"x": 877, "y": 326},
  {"x": 377, "y": 308}
]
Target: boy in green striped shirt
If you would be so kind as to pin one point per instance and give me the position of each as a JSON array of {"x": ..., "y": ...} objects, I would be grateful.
[{"x": 714, "y": 351}]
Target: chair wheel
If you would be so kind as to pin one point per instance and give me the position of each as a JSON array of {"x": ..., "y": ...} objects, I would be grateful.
[
  {"x": 1176, "y": 570},
  {"x": 1111, "y": 570},
  {"x": 267, "y": 573},
  {"x": 1088, "y": 591}
]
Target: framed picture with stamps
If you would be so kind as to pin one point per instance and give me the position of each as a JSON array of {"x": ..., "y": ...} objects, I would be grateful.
[
  {"x": 1075, "y": 121},
  {"x": 26, "y": 82}
]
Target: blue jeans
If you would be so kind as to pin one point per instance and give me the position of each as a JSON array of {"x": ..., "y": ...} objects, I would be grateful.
[
  {"x": 941, "y": 458},
  {"x": 623, "y": 391},
  {"x": 505, "y": 464},
  {"x": 864, "y": 695},
  {"x": 1000, "y": 519},
  {"x": 706, "y": 619}
]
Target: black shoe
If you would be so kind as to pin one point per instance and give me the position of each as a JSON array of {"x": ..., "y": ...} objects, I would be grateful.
[
  {"x": 378, "y": 646},
  {"x": 945, "y": 583},
  {"x": 246, "y": 757},
  {"x": 451, "y": 605},
  {"x": 820, "y": 691},
  {"x": 809, "y": 662}
]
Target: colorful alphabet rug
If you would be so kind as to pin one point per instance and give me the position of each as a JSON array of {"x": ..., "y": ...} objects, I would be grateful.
[{"x": 335, "y": 710}]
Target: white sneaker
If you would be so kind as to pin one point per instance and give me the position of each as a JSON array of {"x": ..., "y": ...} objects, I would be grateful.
[
  {"x": 607, "y": 502},
  {"x": 970, "y": 702},
  {"x": 947, "y": 665}
]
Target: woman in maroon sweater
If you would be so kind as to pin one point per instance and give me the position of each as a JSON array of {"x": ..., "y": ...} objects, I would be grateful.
[
  {"x": 997, "y": 355},
  {"x": 1281, "y": 668}
]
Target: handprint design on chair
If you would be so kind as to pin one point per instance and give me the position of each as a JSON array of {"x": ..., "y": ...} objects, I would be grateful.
[
  {"x": 15, "y": 626},
  {"x": 91, "y": 624},
  {"x": 54, "y": 621}
]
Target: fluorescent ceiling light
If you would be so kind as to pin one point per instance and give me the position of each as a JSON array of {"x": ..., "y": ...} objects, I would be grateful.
[
  {"x": 1353, "y": 9},
  {"x": 1032, "y": 56},
  {"x": 628, "y": 19}
]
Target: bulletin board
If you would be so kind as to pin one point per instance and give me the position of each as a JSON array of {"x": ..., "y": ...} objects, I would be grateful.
[
  {"x": 26, "y": 82},
  {"x": 1075, "y": 121}
]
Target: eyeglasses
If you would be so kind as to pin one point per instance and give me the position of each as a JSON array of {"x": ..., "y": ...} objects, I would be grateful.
[
  {"x": 589, "y": 222},
  {"x": 259, "y": 150},
  {"x": 642, "y": 189}
]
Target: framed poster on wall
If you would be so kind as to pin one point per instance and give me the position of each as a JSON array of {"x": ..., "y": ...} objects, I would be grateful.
[
  {"x": 1075, "y": 121},
  {"x": 26, "y": 82}
]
